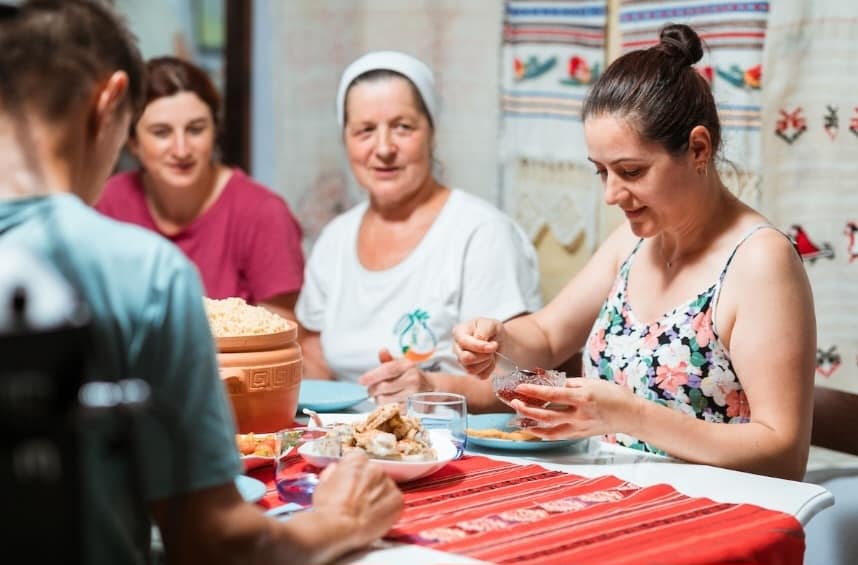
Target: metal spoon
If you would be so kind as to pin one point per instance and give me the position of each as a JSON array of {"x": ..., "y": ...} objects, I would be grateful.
[
  {"x": 519, "y": 372},
  {"x": 514, "y": 364}
]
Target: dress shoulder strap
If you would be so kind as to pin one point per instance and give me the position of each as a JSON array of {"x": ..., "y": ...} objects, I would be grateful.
[
  {"x": 624, "y": 268},
  {"x": 754, "y": 229}
]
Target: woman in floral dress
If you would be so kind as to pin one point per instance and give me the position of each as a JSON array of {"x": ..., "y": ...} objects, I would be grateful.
[{"x": 709, "y": 318}]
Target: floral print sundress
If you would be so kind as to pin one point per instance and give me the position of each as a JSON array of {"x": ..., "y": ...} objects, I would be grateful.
[{"x": 677, "y": 361}]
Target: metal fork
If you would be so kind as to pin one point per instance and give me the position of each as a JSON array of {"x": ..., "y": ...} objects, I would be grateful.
[{"x": 285, "y": 510}]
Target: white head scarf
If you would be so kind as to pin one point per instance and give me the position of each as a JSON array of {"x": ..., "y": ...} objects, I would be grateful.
[{"x": 413, "y": 69}]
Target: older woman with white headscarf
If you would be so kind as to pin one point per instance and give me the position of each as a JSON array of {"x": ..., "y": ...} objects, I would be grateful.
[{"x": 387, "y": 280}]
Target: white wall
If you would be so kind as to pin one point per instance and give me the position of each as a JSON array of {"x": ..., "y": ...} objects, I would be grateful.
[
  {"x": 301, "y": 47},
  {"x": 263, "y": 156}
]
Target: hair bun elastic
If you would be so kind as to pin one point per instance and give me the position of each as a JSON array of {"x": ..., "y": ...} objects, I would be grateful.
[{"x": 681, "y": 43}]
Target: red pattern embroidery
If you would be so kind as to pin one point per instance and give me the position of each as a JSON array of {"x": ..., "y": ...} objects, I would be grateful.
[
  {"x": 831, "y": 123},
  {"x": 524, "y": 515},
  {"x": 443, "y": 534},
  {"x": 851, "y": 232},
  {"x": 807, "y": 249},
  {"x": 791, "y": 125},
  {"x": 487, "y": 524},
  {"x": 827, "y": 361},
  {"x": 602, "y": 496},
  {"x": 562, "y": 505}
]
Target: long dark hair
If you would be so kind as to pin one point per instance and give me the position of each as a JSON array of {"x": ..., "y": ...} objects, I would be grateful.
[{"x": 659, "y": 92}]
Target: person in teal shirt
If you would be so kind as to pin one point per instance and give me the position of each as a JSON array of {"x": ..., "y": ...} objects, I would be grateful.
[{"x": 70, "y": 80}]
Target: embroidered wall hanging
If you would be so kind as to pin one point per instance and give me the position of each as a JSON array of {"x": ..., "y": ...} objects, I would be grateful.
[
  {"x": 810, "y": 163},
  {"x": 552, "y": 52}
]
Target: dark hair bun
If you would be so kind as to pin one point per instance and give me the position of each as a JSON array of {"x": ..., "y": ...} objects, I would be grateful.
[{"x": 681, "y": 43}]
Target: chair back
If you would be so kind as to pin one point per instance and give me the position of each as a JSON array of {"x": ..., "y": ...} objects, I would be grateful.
[{"x": 835, "y": 420}]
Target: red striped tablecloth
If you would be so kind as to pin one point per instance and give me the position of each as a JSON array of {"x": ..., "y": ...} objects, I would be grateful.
[{"x": 506, "y": 513}]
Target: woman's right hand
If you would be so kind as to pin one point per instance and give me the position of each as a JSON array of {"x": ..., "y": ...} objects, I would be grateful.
[
  {"x": 358, "y": 492},
  {"x": 475, "y": 344},
  {"x": 394, "y": 380}
]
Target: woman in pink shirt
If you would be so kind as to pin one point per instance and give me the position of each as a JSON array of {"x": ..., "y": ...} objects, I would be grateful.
[{"x": 241, "y": 236}]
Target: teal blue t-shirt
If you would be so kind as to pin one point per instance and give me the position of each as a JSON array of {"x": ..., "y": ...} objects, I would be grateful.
[{"x": 149, "y": 323}]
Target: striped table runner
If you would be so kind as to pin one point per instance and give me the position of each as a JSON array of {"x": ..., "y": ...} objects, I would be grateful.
[{"x": 506, "y": 513}]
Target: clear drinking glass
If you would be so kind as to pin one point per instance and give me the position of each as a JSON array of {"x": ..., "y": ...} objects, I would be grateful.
[
  {"x": 443, "y": 411},
  {"x": 295, "y": 478}
]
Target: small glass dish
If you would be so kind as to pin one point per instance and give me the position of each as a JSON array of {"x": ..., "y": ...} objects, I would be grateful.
[
  {"x": 504, "y": 385},
  {"x": 295, "y": 479}
]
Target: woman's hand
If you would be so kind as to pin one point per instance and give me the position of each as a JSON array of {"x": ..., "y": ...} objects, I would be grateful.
[
  {"x": 359, "y": 493},
  {"x": 475, "y": 344},
  {"x": 583, "y": 408},
  {"x": 395, "y": 379}
]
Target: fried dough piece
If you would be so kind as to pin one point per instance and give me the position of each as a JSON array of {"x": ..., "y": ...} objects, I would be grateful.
[
  {"x": 493, "y": 433},
  {"x": 377, "y": 419}
]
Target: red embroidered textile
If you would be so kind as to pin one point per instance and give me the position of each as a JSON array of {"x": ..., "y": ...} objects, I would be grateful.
[{"x": 506, "y": 513}]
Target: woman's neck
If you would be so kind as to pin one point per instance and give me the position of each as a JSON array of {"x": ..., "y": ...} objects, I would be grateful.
[
  {"x": 386, "y": 238},
  {"x": 30, "y": 159},
  {"x": 695, "y": 233},
  {"x": 173, "y": 210}
]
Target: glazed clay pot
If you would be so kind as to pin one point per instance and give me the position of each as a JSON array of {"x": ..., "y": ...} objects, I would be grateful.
[{"x": 262, "y": 375}]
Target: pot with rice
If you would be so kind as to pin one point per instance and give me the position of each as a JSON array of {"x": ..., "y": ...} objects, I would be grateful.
[{"x": 260, "y": 363}]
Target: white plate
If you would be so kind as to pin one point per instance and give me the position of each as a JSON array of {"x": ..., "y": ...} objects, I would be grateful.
[
  {"x": 254, "y": 461},
  {"x": 500, "y": 421},
  {"x": 250, "y": 489},
  {"x": 399, "y": 471}
]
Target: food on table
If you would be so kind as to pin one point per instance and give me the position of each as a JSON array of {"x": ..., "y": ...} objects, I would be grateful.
[
  {"x": 512, "y": 435},
  {"x": 257, "y": 445},
  {"x": 233, "y": 317},
  {"x": 384, "y": 434},
  {"x": 504, "y": 385}
]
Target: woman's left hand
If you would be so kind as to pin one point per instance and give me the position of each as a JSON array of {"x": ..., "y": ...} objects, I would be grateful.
[
  {"x": 394, "y": 380},
  {"x": 583, "y": 408}
]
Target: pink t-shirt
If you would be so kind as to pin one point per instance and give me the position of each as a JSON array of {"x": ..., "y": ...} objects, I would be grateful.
[{"x": 248, "y": 244}]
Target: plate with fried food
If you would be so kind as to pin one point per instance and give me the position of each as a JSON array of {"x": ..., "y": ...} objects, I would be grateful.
[
  {"x": 256, "y": 449},
  {"x": 398, "y": 443},
  {"x": 496, "y": 431}
]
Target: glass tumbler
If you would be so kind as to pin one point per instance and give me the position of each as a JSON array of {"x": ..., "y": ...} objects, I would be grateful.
[
  {"x": 442, "y": 411},
  {"x": 295, "y": 478}
]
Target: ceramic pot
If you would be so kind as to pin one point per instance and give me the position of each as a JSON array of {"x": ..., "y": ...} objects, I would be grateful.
[{"x": 262, "y": 375}]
